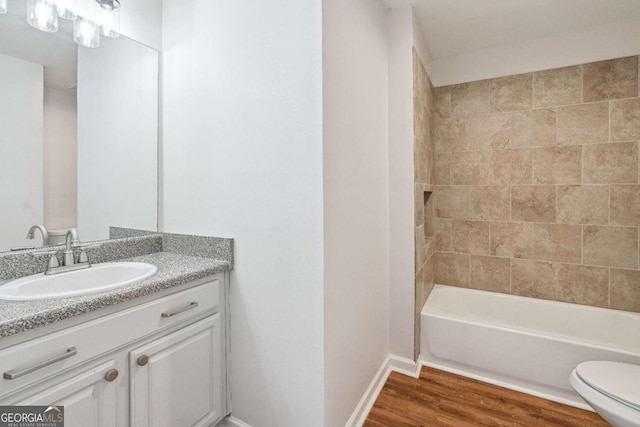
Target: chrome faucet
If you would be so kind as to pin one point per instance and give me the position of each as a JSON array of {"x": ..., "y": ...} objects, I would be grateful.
[
  {"x": 31, "y": 235},
  {"x": 68, "y": 260},
  {"x": 45, "y": 235},
  {"x": 70, "y": 242}
]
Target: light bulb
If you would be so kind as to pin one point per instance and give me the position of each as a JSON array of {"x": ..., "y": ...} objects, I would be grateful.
[
  {"x": 110, "y": 22},
  {"x": 86, "y": 33},
  {"x": 42, "y": 14},
  {"x": 66, "y": 9},
  {"x": 3, "y": 6}
]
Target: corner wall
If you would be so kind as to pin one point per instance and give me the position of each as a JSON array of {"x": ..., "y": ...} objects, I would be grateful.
[
  {"x": 242, "y": 158},
  {"x": 410, "y": 179},
  {"x": 356, "y": 200},
  {"x": 423, "y": 127},
  {"x": 401, "y": 184},
  {"x": 141, "y": 20}
]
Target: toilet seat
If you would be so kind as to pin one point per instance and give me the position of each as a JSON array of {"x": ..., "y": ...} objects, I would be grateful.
[{"x": 618, "y": 381}]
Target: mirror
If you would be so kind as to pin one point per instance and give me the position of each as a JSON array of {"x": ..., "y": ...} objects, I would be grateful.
[{"x": 78, "y": 133}]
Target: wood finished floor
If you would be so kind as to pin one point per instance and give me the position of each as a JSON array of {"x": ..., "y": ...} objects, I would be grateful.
[{"x": 439, "y": 398}]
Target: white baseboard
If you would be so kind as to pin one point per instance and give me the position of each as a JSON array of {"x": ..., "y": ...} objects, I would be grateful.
[
  {"x": 404, "y": 366},
  {"x": 232, "y": 421},
  {"x": 407, "y": 367},
  {"x": 391, "y": 364}
]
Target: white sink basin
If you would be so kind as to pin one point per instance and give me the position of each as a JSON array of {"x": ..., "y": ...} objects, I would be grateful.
[{"x": 98, "y": 278}]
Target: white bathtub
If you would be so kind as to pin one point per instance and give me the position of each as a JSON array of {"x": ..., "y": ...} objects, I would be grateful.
[{"x": 524, "y": 344}]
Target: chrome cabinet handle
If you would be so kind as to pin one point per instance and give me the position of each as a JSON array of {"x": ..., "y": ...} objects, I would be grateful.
[
  {"x": 180, "y": 310},
  {"x": 16, "y": 373}
]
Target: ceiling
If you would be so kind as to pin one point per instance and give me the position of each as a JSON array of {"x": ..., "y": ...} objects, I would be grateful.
[{"x": 453, "y": 27}]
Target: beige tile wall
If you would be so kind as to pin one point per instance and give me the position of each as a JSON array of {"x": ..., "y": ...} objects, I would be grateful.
[
  {"x": 536, "y": 185},
  {"x": 423, "y": 119}
]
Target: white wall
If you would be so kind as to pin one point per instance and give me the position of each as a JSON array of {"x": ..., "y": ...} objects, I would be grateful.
[
  {"x": 21, "y": 188},
  {"x": 117, "y": 137},
  {"x": 557, "y": 50},
  {"x": 242, "y": 157},
  {"x": 420, "y": 44},
  {"x": 60, "y": 159},
  {"x": 401, "y": 179},
  {"x": 141, "y": 20},
  {"x": 356, "y": 200}
]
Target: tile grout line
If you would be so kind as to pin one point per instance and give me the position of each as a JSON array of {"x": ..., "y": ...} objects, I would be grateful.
[
  {"x": 609, "y": 120},
  {"x": 557, "y": 210},
  {"x": 609, "y": 206},
  {"x": 582, "y": 244},
  {"x": 609, "y": 288},
  {"x": 582, "y": 84},
  {"x": 511, "y": 276},
  {"x": 469, "y": 264},
  {"x": 577, "y": 264},
  {"x": 581, "y": 165}
]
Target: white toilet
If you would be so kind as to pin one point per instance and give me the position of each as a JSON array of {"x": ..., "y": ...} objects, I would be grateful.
[{"x": 612, "y": 389}]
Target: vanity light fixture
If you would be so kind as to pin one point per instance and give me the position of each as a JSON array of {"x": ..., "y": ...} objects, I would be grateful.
[
  {"x": 86, "y": 33},
  {"x": 3, "y": 6},
  {"x": 43, "y": 15},
  {"x": 109, "y": 4},
  {"x": 66, "y": 9},
  {"x": 110, "y": 21},
  {"x": 91, "y": 18}
]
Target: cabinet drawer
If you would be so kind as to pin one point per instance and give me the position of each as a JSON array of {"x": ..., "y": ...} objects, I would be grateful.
[{"x": 41, "y": 358}]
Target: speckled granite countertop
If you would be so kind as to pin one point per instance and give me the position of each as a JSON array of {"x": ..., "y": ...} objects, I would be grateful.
[{"x": 174, "y": 269}]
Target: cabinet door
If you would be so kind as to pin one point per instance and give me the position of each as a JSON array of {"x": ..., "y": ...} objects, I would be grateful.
[
  {"x": 176, "y": 380},
  {"x": 89, "y": 399}
]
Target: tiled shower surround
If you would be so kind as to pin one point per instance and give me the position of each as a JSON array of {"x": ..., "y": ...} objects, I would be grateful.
[
  {"x": 536, "y": 185},
  {"x": 423, "y": 119}
]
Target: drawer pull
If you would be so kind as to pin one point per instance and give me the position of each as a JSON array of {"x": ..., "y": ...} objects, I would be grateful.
[
  {"x": 180, "y": 310},
  {"x": 15, "y": 373},
  {"x": 111, "y": 375},
  {"x": 142, "y": 360}
]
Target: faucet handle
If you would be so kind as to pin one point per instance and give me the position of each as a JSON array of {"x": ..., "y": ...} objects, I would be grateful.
[
  {"x": 82, "y": 258},
  {"x": 53, "y": 260}
]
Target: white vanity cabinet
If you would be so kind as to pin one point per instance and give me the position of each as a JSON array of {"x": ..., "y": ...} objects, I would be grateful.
[
  {"x": 177, "y": 379},
  {"x": 89, "y": 399},
  {"x": 156, "y": 364}
]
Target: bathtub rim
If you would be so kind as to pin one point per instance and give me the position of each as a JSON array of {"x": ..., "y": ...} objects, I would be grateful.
[{"x": 528, "y": 331}]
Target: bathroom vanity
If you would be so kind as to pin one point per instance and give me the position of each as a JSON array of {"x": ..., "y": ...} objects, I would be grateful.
[
  {"x": 152, "y": 353},
  {"x": 148, "y": 352}
]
